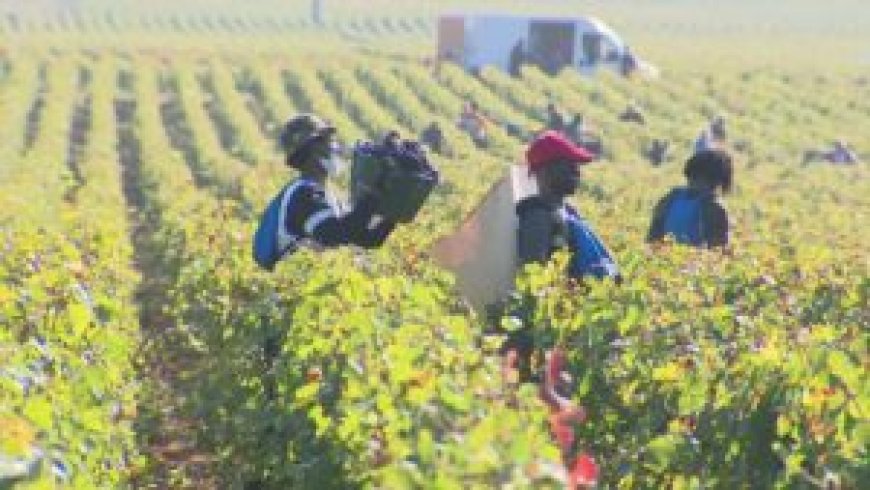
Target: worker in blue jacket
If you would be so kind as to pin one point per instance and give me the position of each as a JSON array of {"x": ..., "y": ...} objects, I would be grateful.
[{"x": 694, "y": 214}]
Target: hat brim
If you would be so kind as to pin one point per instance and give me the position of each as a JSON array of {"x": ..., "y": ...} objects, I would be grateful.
[
  {"x": 324, "y": 130},
  {"x": 318, "y": 134},
  {"x": 580, "y": 155},
  {"x": 575, "y": 155}
]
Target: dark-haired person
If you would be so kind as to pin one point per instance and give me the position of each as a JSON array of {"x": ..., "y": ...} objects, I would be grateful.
[
  {"x": 657, "y": 153},
  {"x": 840, "y": 153},
  {"x": 555, "y": 118},
  {"x": 632, "y": 114},
  {"x": 308, "y": 213},
  {"x": 517, "y": 58},
  {"x": 473, "y": 122},
  {"x": 433, "y": 137},
  {"x": 712, "y": 136},
  {"x": 693, "y": 214},
  {"x": 576, "y": 129}
]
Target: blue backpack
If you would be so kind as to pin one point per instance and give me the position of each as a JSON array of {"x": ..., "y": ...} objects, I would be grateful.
[
  {"x": 589, "y": 255},
  {"x": 271, "y": 240},
  {"x": 684, "y": 218}
]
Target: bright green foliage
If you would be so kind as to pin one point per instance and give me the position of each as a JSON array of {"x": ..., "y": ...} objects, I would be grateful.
[
  {"x": 66, "y": 377},
  {"x": 67, "y": 318},
  {"x": 716, "y": 367},
  {"x": 349, "y": 370},
  {"x": 364, "y": 369}
]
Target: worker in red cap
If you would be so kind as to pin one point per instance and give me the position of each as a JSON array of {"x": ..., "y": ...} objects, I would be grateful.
[{"x": 546, "y": 222}]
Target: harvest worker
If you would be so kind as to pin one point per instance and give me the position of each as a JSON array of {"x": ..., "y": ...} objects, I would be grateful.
[
  {"x": 657, "y": 153},
  {"x": 712, "y": 136},
  {"x": 473, "y": 122},
  {"x": 632, "y": 114},
  {"x": 693, "y": 214},
  {"x": 517, "y": 58},
  {"x": 547, "y": 223},
  {"x": 304, "y": 212},
  {"x": 433, "y": 137},
  {"x": 841, "y": 153},
  {"x": 577, "y": 130},
  {"x": 555, "y": 119},
  {"x": 583, "y": 134}
]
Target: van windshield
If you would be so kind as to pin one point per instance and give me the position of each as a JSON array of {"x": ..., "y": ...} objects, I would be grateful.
[{"x": 551, "y": 44}]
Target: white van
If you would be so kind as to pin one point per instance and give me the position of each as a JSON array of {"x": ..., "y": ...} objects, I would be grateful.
[{"x": 552, "y": 43}]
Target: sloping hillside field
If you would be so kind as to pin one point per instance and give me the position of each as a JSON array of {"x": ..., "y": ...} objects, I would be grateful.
[{"x": 140, "y": 346}]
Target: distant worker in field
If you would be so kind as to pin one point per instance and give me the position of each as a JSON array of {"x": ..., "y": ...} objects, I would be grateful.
[
  {"x": 657, "y": 153},
  {"x": 473, "y": 122},
  {"x": 713, "y": 135},
  {"x": 633, "y": 114},
  {"x": 841, "y": 153},
  {"x": 718, "y": 130},
  {"x": 433, "y": 137},
  {"x": 305, "y": 212},
  {"x": 555, "y": 119},
  {"x": 693, "y": 214},
  {"x": 517, "y": 58},
  {"x": 576, "y": 129},
  {"x": 515, "y": 130},
  {"x": 583, "y": 134}
]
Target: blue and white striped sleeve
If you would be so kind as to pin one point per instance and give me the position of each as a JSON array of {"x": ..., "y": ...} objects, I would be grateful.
[{"x": 310, "y": 214}]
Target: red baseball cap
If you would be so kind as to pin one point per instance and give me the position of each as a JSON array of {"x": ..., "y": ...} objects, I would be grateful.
[{"x": 552, "y": 146}]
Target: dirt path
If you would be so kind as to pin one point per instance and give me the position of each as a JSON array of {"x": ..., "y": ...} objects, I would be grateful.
[
  {"x": 167, "y": 435},
  {"x": 79, "y": 132}
]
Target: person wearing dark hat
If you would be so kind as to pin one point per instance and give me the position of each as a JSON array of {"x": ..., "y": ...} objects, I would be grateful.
[
  {"x": 433, "y": 137},
  {"x": 632, "y": 114},
  {"x": 547, "y": 222},
  {"x": 306, "y": 212},
  {"x": 657, "y": 153},
  {"x": 311, "y": 148}
]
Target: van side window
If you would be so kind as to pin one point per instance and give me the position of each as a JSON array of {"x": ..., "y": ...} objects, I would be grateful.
[{"x": 591, "y": 48}]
